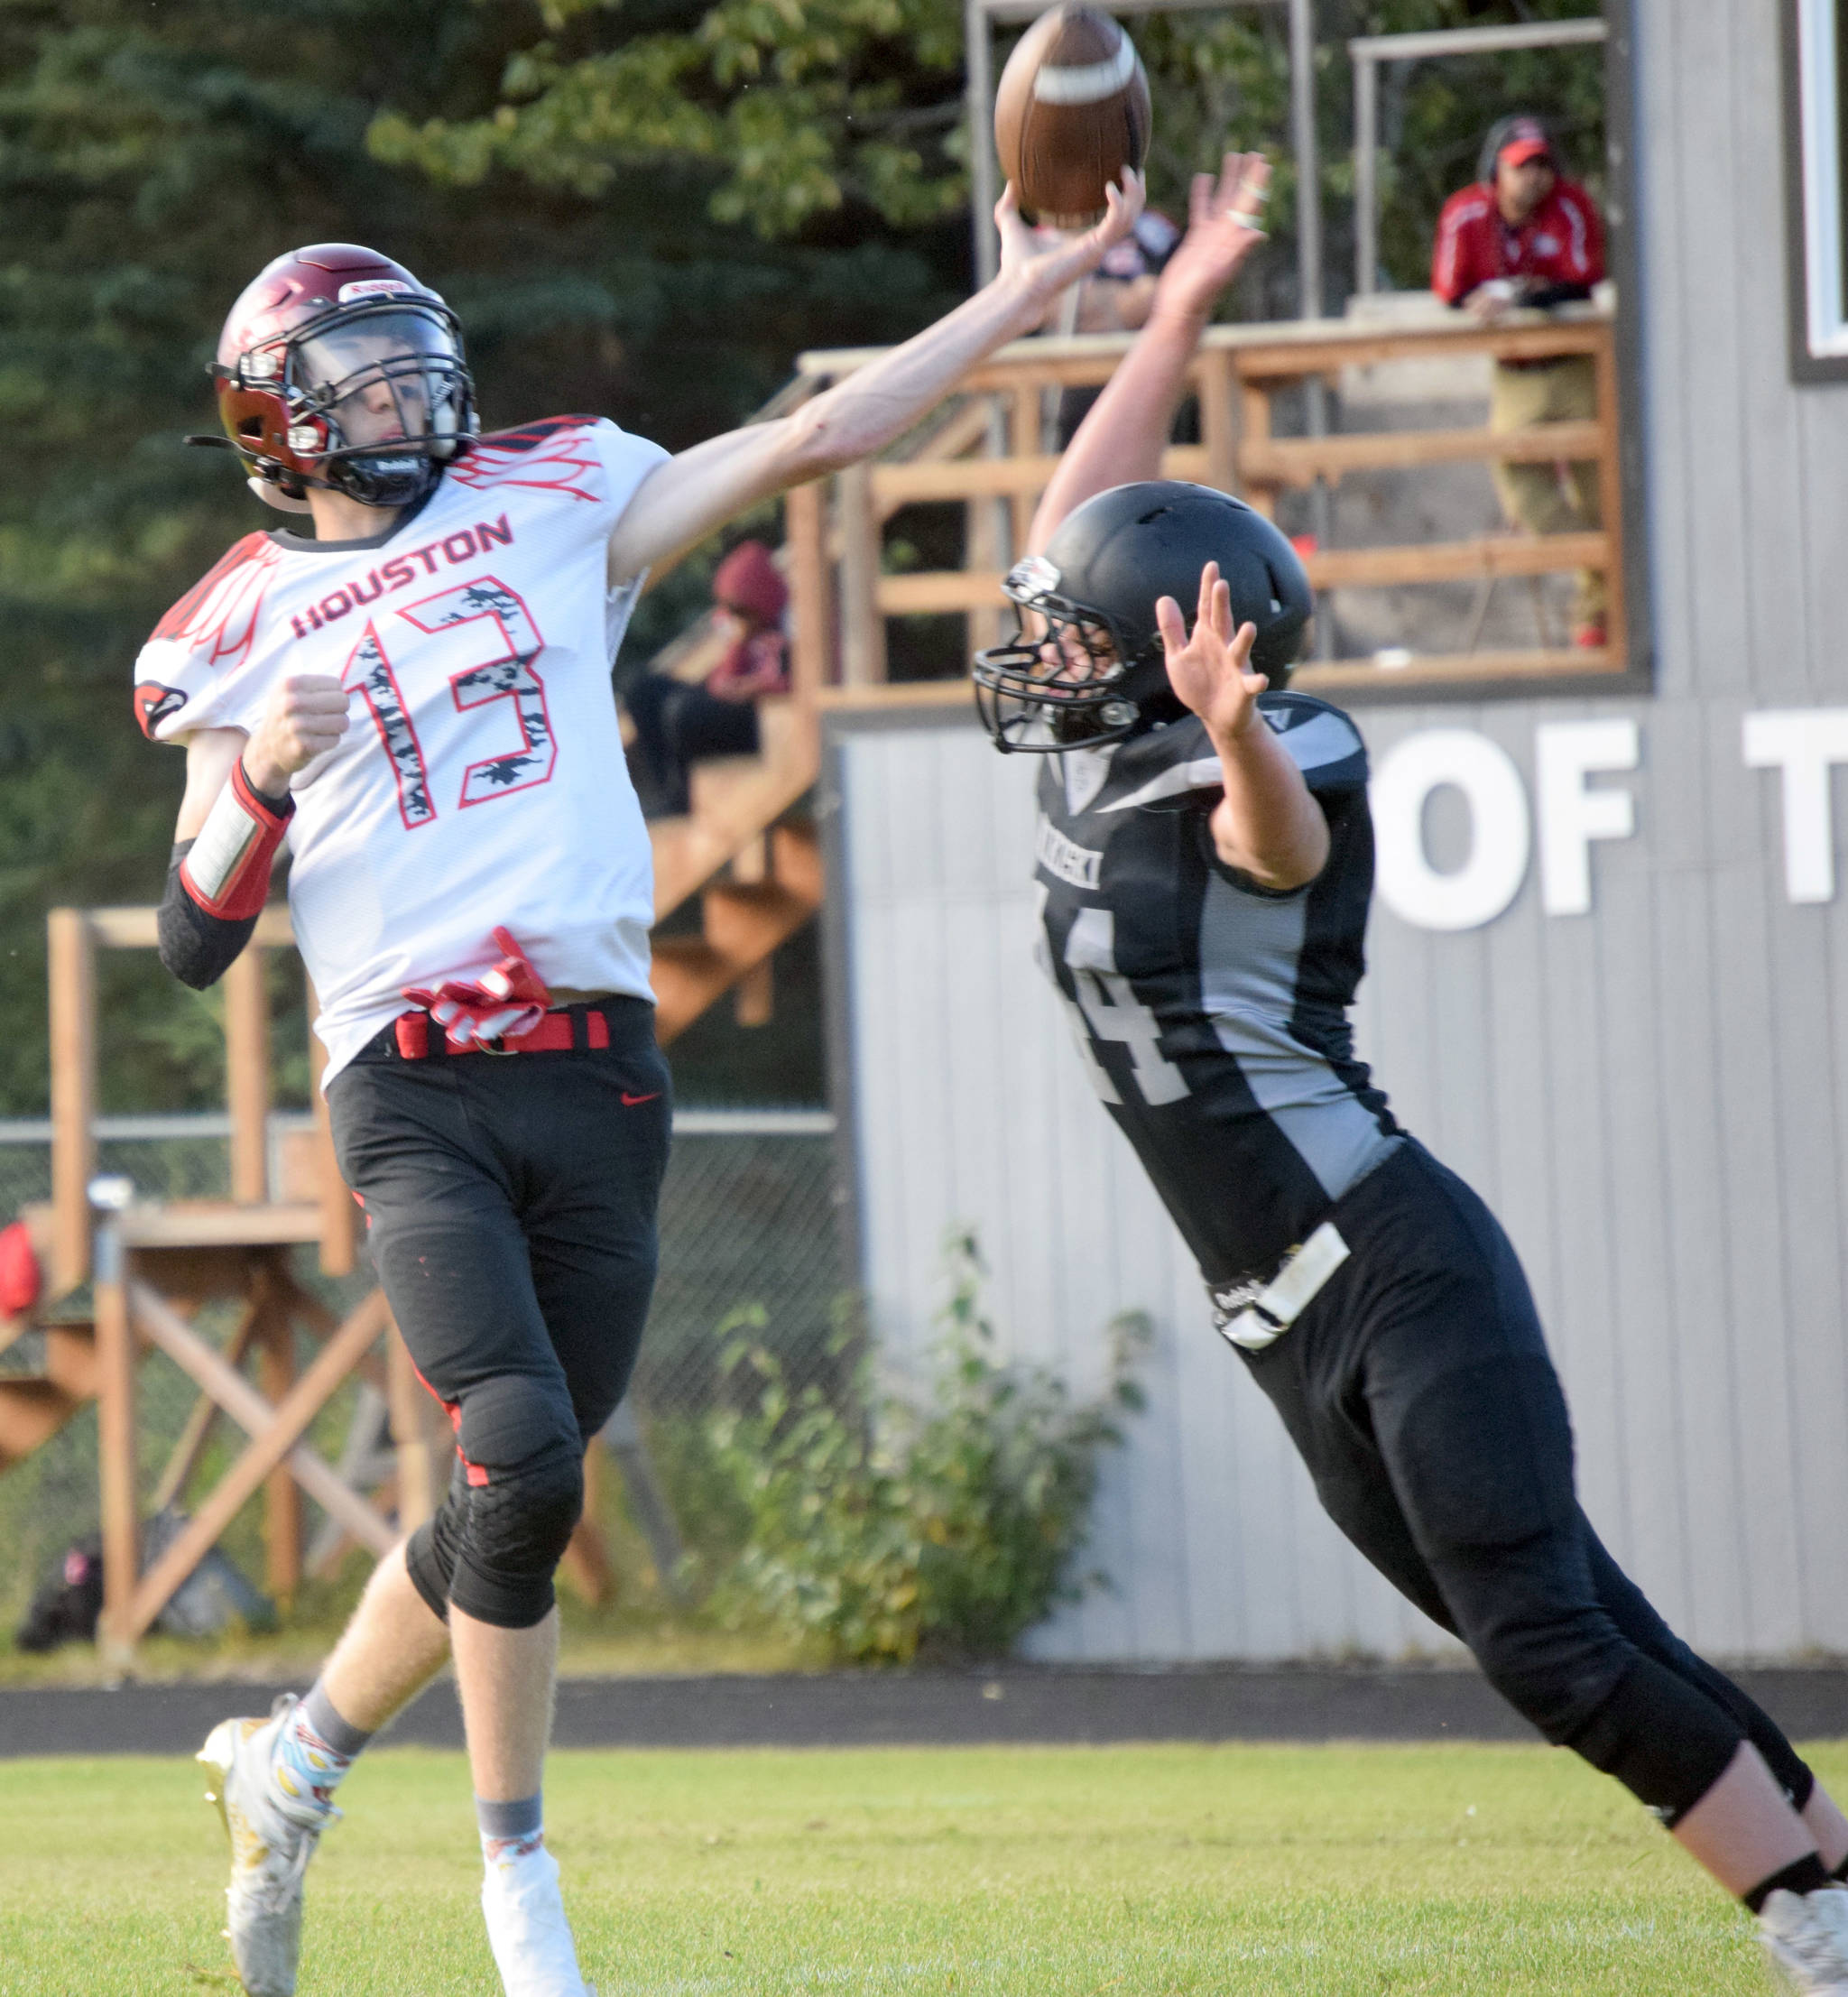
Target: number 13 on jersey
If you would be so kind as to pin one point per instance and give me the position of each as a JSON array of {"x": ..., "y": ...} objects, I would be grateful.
[{"x": 481, "y": 636}]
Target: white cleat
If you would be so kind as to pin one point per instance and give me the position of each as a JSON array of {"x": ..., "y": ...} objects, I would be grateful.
[
  {"x": 527, "y": 1928},
  {"x": 271, "y": 1846},
  {"x": 1805, "y": 1935}
]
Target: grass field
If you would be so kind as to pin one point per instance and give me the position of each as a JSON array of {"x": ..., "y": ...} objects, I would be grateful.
[{"x": 984, "y": 1873}]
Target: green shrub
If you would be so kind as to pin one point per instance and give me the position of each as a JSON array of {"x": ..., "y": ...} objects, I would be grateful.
[{"x": 944, "y": 1528}]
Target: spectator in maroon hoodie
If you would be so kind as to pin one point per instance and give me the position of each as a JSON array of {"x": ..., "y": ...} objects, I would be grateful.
[
  {"x": 1525, "y": 236},
  {"x": 676, "y": 722}
]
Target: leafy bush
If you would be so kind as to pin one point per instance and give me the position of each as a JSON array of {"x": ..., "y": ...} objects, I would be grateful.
[{"x": 946, "y": 1527}]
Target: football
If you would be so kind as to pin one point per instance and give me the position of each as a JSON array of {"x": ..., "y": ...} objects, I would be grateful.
[{"x": 1072, "y": 112}]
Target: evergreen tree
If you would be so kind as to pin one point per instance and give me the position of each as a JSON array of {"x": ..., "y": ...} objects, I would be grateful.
[{"x": 151, "y": 161}]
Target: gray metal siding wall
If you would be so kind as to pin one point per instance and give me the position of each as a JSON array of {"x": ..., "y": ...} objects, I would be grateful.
[
  {"x": 1653, "y": 1096},
  {"x": 1648, "y": 1095}
]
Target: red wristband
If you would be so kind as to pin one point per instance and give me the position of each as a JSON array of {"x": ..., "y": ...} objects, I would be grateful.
[{"x": 227, "y": 871}]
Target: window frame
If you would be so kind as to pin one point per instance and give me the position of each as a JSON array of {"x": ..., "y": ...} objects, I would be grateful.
[{"x": 1815, "y": 162}]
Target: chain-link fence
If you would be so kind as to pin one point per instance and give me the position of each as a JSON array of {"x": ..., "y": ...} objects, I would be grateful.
[
  {"x": 749, "y": 1224},
  {"x": 751, "y": 1244}
]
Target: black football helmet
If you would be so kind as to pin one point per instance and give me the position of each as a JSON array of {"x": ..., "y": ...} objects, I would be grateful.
[{"x": 1096, "y": 673}]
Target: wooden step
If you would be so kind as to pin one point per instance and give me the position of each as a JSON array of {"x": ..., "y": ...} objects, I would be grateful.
[
  {"x": 70, "y": 1359},
  {"x": 32, "y": 1409},
  {"x": 734, "y": 799},
  {"x": 33, "y": 1406},
  {"x": 744, "y": 923}
]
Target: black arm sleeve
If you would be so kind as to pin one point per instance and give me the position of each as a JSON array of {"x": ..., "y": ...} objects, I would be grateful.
[{"x": 197, "y": 948}]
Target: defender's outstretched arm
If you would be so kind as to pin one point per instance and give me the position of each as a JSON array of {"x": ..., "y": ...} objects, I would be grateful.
[
  {"x": 681, "y": 501},
  {"x": 1121, "y": 439},
  {"x": 1267, "y": 824}
]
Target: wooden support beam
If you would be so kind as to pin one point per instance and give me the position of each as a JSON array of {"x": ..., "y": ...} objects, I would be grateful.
[
  {"x": 247, "y": 1076},
  {"x": 116, "y": 1447},
  {"x": 423, "y": 1464},
  {"x": 282, "y": 1493},
  {"x": 863, "y": 636},
  {"x": 139, "y": 929},
  {"x": 1457, "y": 561},
  {"x": 1334, "y": 348},
  {"x": 939, "y": 589},
  {"x": 1299, "y": 460},
  {"x": 753, "y": 1002},
  {"x": 811, "y": 648},
  {"x": 71, "y": 955},
  {"x": 204, "y": 1417},
  {"x": 1219, "y": 424},
  {"x": 339, "y": 1210},
  {"x": 275, "y": 1434},
  {"x": 1024, "y": 441},
  {"x": 586, "y": 1564},
  {"x": 1611, "y": 499},
  {"x": 1452, "y": 671},
  {"x": 1006, "y": 477}
]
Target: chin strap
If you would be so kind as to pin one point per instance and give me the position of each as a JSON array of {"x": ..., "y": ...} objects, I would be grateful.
[{"x": 273, "y": 495}]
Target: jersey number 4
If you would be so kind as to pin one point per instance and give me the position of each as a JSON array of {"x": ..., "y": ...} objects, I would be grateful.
[
  {"x": 1111, "y": 1011},
  {"x": 492, "y": 640}
]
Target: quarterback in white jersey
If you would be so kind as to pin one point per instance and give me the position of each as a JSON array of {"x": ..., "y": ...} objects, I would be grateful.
[
  {"x": 484, "y": 772},
  {"x": 417, "y": 701}
]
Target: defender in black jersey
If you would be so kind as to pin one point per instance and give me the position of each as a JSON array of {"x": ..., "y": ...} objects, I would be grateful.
[{"x": 1205, "y": 865}]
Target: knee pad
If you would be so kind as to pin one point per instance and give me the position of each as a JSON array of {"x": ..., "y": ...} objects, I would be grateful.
[
  {"x": 430, "y": 1553},
  {"x": 523, "y": 1468},
  {"x": 514, "y": 1498},
  {"x": 1664, "y": 1739},
  {"x": 519, "y": 1524}
]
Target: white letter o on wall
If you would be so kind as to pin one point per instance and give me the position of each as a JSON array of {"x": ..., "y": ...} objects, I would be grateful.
[{"x": 1499, "y": 830}]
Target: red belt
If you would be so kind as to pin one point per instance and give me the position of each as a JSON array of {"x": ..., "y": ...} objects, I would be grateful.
[{"x": 556, "y": 1033}]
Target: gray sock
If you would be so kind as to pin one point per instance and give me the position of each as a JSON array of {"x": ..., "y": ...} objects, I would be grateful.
[
  {"x": 522, "y": 1819},
  {"x": 318, "y": 1709}
]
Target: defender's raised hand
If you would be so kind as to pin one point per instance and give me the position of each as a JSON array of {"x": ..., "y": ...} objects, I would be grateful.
[
  {"x": 1226, "y": 223},
  {"x": 1210, "y": 671}
]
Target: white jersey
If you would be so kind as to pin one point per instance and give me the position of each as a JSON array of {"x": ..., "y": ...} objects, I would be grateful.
[{"x": 481, "y": 781}]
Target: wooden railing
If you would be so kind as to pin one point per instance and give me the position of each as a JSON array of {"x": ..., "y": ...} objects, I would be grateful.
[
  {"x": 986, "y": 452},
  {"x": 316, "y": 1209}
]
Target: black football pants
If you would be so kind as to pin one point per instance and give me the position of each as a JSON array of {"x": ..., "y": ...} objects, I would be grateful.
[
  {"x": 1418, "y": 1387},
  {"x": 510, "y": 1204}
]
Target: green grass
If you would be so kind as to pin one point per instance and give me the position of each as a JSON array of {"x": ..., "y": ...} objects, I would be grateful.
[{"x": 989, "y": 1872}]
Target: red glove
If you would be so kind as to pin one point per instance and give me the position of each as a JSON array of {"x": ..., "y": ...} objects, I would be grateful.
[{"x": 502, "y": 1003}]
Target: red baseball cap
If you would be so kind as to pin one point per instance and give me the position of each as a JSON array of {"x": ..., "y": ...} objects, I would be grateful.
[{"x": 1527, "y": 140}]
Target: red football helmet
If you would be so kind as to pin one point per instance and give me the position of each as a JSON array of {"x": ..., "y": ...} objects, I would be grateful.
[{"x": 337, "y": 367}]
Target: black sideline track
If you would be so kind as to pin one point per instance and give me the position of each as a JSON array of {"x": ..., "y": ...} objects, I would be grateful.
[{"x": 1014, "y": 1704}]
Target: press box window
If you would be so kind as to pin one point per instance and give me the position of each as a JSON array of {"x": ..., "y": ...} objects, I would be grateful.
[{"x": 1817, "y": 125}]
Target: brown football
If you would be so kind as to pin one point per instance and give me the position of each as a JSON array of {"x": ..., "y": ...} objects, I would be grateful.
[{"x": 1072, "y": 112}]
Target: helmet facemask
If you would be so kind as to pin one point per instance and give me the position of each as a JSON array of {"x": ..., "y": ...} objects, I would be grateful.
[
  {"x": 374, "y": 398},
  {"x": 1069, "y": 680}
]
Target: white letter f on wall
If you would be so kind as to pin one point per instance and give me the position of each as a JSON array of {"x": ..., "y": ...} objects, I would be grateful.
[{"x": 1572, "y": 815}]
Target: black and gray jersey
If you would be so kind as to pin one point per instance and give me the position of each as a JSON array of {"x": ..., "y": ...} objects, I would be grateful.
[{"x": 1212, "y": 1013}]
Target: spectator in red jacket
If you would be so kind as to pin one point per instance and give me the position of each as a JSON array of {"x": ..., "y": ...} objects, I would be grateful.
[
  {"x": 1525, "y": 236},
  {"x": 676, "y": 722}
]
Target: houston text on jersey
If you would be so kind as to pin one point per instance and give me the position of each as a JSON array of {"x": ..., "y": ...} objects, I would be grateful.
[{"x": 399, "y": 573}]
